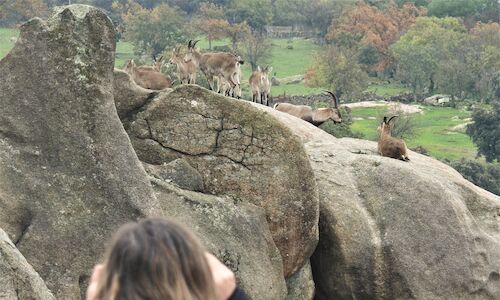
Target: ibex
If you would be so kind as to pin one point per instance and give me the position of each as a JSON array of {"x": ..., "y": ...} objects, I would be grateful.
[
  {"x": 186, "y": 71},
  {"x": 390, "y": 146},
  {"x": 313, "y": 116},
  {"x": 214, "y": 64},
  {"x": 147, "y": 78},
  {"x": 225, "y": 88},
  {"x": 260, "y": 85},
  {"x": 157, "y": 63}
]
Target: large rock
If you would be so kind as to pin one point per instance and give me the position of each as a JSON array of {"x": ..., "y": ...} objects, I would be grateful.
[
  {"x": 240, "y": 152},
  {"x": 18, "y": 280},
  {"x": 300, "y": 286},
  {"x": 129, "y": 97},
  {"x": 397, "y": 230},
  {"x": 179, "y": 172},
  {"x": 237, "y": 233},
  {"x": 68, "y": 174}
]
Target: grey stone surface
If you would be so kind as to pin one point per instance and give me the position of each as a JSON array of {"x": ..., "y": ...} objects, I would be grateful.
[
  {"x": 18, "y": 280},
  {"x": 237, "y": 233},
  {"x": 301, "y": 284},
  {"x": 240, "y": 152},
  {"x": 68, "y": 173},
  {"x": 397, "y": 230},
  {"x": 179, "y": 172}
]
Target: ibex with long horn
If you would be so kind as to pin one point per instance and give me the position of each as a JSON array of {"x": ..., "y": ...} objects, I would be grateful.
[{"x": 313, "y": 116}]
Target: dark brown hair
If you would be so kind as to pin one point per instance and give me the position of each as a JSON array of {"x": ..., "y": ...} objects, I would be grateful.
[{"x": 156, "y": 259}]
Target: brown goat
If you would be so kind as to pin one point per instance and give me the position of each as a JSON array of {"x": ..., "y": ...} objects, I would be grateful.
[
  {"x": 260, "y": 85},
  {"x": 148, "y": 79},
  {"x": 390, "y": 146},
  {"x": 313, "y": 116},
  {"x": 157, "y": 63},
  {"x": 214, "y": 65},
  {"x": 186, "y": 71}
]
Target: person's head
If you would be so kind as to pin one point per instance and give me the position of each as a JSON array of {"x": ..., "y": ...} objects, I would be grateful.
[{"x": 155, "y": 259}]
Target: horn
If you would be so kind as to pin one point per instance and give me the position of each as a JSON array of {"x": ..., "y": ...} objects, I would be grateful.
[
  {"x": 194, "y": 43},
  {"x": 335, "y": 101},
  {"x": 391, "y": 119},
  {"x": 154, "y": 57}
]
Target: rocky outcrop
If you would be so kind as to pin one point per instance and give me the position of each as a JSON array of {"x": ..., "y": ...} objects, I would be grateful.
[
  {"x": 129, "y": 97},
  {"x": 301, "y": 284},
  {"x": 18, "y": 280},
  {"x": 235, "y": 232},
  {"x": 68, "y": 174},
  {"x": 396, "y": 230},
  {"x": 241, "y": 153},
  {"x": 178, "y": 172}
]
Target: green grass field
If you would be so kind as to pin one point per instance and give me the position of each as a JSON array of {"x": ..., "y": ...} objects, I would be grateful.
[
  {"x": 5, "y": 43},
  {"x": 433, "y": 130}
]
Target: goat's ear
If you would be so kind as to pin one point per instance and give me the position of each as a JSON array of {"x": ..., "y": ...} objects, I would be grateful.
[
  {"x": 189, "y": 44},
  {"x": 259, "y": 69},
  {"x": 385, "y": 120}
]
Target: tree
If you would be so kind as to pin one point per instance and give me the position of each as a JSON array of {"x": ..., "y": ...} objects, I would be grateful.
[
  {"x": 16, "y": 11},
  {"x": 378, "y": 28},
  {"x": 257, "y": 13},
  {"x": 256, "y": 49},
  {"x": 430, "y": 44},
  {"x": 289, "y": 12},
  {"x": 483, "y": 10},
  {"x": 481, "y": 174},
  {"x": 485, "y": 132},
  {"x": 337, "y": 69},
  {"x": 319, "y": 15},
  {"x": 151, "y": 31},
  {"x": 210, "y": 21},
  {"x": 237, "y": 32},
  {"x": 486, "y": 65}
]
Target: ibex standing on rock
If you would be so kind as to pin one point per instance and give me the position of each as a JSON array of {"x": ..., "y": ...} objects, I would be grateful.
[
  {"x": 214, "y": 65},
  {"x": 186, "y": 71},
  {"x": 146, "y": 78},
  {"x": 313, "y": 116},
  {"x": 390, "y": 146},
  {"x": 260, "y": 85}
]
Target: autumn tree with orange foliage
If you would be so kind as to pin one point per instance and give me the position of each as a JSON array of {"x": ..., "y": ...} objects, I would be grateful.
[{"x": 379, "y": 28}]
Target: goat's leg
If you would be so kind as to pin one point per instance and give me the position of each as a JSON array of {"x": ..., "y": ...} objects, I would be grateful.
[{"x": 210, "y": 80}]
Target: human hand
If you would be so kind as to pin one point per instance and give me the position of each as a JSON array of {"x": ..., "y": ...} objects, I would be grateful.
[
  {"x": 94, "y": 281},
  {"x": 225, "y": 281}
]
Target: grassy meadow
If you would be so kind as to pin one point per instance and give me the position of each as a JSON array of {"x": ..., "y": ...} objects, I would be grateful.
[
  {"x": 5, "y": 44},
  {"x": 433, "y": 126},
  {"x": 434, "y": 130}
]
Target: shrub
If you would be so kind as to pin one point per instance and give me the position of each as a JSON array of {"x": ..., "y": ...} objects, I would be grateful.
[{"x": 485, "y": 175}]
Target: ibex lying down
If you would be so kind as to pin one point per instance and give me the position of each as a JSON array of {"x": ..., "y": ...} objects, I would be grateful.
[
  {"x": 157, "y": 63},
  {"x": 260, "y": 85},
  {"x": 313, "y": 116},
  {"x": 390, "y": 146},
  {"x": 214, "y": 64},
  {"x": 146, "y": 78},
  {"x": 186, "y": 71}
]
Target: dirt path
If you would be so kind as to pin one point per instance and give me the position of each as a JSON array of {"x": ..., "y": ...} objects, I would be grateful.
[{"x": 407, "y": 108}]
